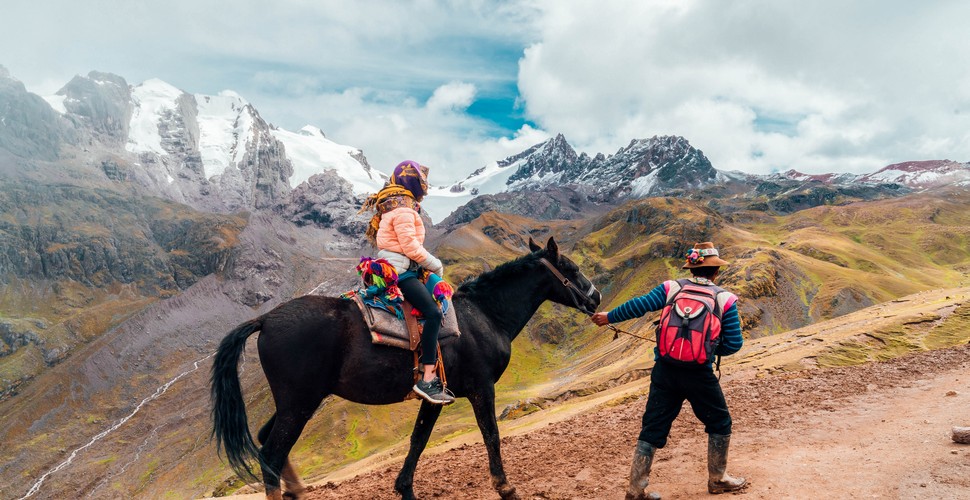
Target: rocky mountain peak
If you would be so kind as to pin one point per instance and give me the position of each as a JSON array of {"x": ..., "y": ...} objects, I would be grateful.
[
  {"x": 29, "y": 128},
  {"x": 322, "y": 201},
  {"x": 548, "y": 162},
  {"x": 644, "y": 167},
  {"x": 558, "y": 147},
  {"x": 648, "y": 167},
  {"x": 100, "y": 102}
]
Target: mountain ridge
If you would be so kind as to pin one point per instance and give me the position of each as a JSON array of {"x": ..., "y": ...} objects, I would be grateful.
[
  {"x": 115, "y": 288},
  {"x": 217, "y": 153}
]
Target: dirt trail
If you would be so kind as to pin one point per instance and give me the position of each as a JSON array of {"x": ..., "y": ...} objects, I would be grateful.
[{"x": 879, "y": 430}]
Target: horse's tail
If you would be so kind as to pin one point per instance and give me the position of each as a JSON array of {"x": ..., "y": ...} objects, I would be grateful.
[{"x": 229, "y": 424}]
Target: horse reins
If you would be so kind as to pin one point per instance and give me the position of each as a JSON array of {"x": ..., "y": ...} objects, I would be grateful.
[{"x": 588, "y": 294}]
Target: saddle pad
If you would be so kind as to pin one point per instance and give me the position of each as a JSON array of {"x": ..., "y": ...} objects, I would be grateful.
[{"x": 387, "y": 329}]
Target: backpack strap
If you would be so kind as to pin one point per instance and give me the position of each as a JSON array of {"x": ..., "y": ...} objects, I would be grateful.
[
  {"x": 723, "y": 300},
  {"x": 674, "y": 287}
]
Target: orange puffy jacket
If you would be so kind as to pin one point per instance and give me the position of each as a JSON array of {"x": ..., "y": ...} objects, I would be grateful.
[{"x": 402, "y": 231}]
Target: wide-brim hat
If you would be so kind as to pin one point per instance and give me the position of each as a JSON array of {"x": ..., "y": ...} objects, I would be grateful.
[{"x": 703, "y": 255}]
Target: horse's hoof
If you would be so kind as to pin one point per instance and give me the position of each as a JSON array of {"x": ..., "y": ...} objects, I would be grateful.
[
  {"x": 507, "y": 492},
  {"x": 406, "y": 493}
]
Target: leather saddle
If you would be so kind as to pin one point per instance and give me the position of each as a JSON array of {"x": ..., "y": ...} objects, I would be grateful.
[{"x": 387, "y": 329}]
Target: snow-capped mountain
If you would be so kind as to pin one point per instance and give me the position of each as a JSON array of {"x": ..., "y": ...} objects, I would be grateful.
[
  {"x": 660, "y": 166},
  {"x": 915, "y": 175},
  {"x": 311, "y": 153},
  {"x": 642, "y": 168},
  {"x": 645, "y": 167},
  {"x": 212, "y": 152},
  {"x": 922, "y": 174},
  {"x": 215, "y": 152}
]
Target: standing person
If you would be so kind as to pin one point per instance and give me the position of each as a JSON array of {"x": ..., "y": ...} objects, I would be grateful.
[
  {"x": 398, "y": 232},
  {"x": 673, "y": 380}
]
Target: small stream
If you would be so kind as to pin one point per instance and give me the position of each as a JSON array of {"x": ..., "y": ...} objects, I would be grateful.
[{"x": 158, "y": 392}]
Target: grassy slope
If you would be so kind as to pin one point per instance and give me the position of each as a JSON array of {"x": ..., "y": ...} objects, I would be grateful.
[
  {"x": 791, "y": 271},
  {"x": 90, "y": 259}
]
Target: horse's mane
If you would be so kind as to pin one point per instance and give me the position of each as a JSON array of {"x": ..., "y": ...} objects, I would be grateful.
[{"x": 484, "y": 283}]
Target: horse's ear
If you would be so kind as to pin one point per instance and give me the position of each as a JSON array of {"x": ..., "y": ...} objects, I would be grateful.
[
  {"x": 552, "y": 248},
  {"x": 533, "y": 246}
]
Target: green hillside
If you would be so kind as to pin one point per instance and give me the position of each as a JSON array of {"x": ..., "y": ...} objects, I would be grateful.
[
  {"x": 76, "y": 262},
  {"x": 790, "y": 271}
]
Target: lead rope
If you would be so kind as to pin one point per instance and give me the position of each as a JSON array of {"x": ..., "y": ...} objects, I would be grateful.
[{"x": 617, "y": 332}]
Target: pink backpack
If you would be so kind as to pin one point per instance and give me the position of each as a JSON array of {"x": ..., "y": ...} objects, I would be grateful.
[{"x": 689, "y": 329}]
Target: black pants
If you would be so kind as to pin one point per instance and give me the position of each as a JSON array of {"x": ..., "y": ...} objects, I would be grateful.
[
  {"x": 670, "y": 385},
  {"x": 418, "y": 295}
]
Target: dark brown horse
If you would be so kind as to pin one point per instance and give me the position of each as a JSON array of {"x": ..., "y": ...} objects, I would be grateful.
[{"x": 312, "y": 347}]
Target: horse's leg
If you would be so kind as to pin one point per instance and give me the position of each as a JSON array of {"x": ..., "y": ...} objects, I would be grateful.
[
  {"x": 427, "y": 416},
  {"x": 292, "y": 483},
  {"x": 263, "y": 433},
  {"x": 484, "y": 405},
  {"x": 286, "y": 429}
]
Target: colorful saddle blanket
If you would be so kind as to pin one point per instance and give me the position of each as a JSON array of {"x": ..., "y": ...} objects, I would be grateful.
[
  {"x": 391, "y": 320},
  {"x": 388, "y": 329}
]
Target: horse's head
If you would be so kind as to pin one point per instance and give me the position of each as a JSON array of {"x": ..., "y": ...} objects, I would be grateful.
[{"x": 567, "y": 284}]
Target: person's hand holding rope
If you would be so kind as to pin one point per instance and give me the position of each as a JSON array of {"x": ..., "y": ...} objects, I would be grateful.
[{"x": 600, "y": 318}]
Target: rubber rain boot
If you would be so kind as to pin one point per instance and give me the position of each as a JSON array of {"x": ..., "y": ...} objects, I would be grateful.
[
  {"x": 718, "y": 480},
  {"x": 640, "y": 473}
]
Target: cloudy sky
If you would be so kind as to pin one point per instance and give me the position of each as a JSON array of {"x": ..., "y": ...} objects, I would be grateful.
[{"x": 758, "y": 85}]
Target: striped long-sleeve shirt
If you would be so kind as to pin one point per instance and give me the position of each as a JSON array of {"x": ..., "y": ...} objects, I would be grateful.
[{"x": 654, "y": 300}]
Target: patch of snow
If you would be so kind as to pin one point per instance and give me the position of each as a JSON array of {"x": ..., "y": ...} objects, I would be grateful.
[
  {"x": 927, "y": 177},
  {"x": 225, "y": 126},
  {"x": 311, "y": 131},
  {"x": 152, "y": 99},
  {"x": 736, "y": 175},
  {"x": 441, "y": 201},
  {"x": 57, "y": 102},
  {"x": 642, "y": 186},
  {"x": 493, "y": 179},
  {"x": 169, "y": 178},
  {"x": 538, "y": 179},
  {"x": 312, "y": 153}
]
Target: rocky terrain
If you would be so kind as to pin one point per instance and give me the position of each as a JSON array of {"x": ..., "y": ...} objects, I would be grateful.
[
  {"x": 794, "y": 436},
  {"x": 803, "y": 424},
  {"x": 139, "y": 223}
]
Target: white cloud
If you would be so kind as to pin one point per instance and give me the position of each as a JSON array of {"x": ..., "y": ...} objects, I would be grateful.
[
  {"x": 844, "y": 85},
  {"x": 455, "y": 96},
  {"x": 758, "y": 85},
  {"x": 391, "y": 127}
]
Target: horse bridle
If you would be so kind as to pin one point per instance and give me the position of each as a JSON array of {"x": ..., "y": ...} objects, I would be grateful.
[
  {"x": 573, "y": 289},
  {"x": 589, "y": 294}
]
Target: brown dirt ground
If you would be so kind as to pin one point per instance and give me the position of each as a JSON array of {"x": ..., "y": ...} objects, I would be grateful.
[{"x": 878, "y": 430}]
